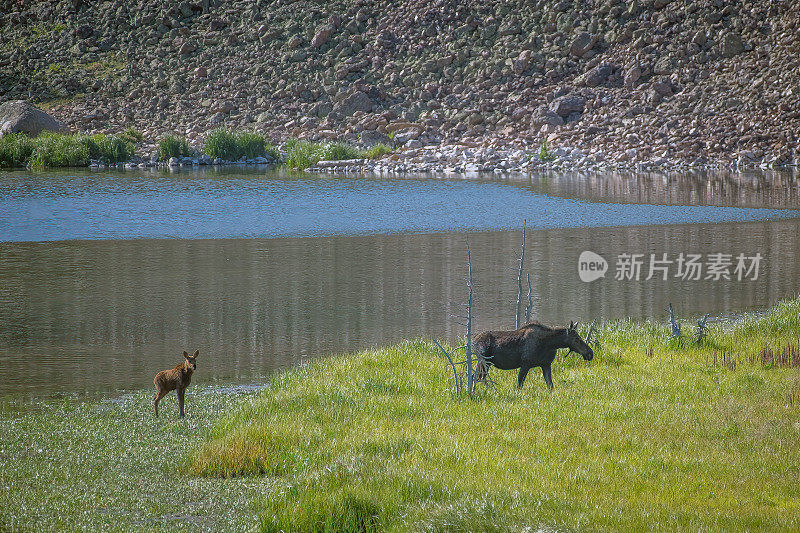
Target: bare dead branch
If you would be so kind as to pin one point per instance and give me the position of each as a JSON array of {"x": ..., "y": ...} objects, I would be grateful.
[
  {"x": 519, "y": 274},
  {"x": 529, "y": 307},
  {"x": 456, "y": 379}
]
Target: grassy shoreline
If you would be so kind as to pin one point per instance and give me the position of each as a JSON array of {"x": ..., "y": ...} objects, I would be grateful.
[
  {"x": 57, "y": 150},
  {"x": 649, "y": 435}
]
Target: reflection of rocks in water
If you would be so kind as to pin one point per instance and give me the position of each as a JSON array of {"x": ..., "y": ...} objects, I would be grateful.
[
  {"x": 776, "y": 189},
  {"x": 256, "y": 306}
]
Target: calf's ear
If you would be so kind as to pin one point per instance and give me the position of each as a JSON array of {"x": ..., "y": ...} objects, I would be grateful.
[
  {"x": 196, "y": 353},
  {"x": 185, "y": 354}
]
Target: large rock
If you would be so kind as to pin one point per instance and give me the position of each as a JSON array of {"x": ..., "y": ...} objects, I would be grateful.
[
  {"x": 322, "y": 36},
  {"x": 564, "y": 106},
  {"x": 582, "y": 43},
  {"x": 19, "y": 116},
  {"x": 357, "y": 101},
  {"x": 543, "y": 116},
  {"x": 732, "y": 45},
  {"x": 598, "y": 75},
  {"x": 371, "y": 138}
]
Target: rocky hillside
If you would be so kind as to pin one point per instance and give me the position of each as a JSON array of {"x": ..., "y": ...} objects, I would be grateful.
[{"x": 637, "y": 79}]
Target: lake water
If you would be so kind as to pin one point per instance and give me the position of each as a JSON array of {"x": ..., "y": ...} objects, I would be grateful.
[{"x": 106, "y": 278}]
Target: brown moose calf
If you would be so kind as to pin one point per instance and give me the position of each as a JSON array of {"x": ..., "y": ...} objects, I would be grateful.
[{"x": 176, "y": 379}]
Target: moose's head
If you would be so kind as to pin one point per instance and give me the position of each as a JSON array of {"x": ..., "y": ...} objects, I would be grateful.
[{"x": 575, "y": 343}]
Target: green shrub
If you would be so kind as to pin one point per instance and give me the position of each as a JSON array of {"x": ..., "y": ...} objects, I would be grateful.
[
  {"x": 232, "y": 146},
  {"x": 250, "y": 145},
  {"x": 172, "y": 146},
  {"x": 339, "y": 151},
  {"x": 50, "y": 150},
  {"x": 221, "y": 143},
  {"x": 303, "y": 154},
  {"x": 544, "y": 153},
  {"x": 15, "y": 150},
  {"x": 56, "y": 150},
  {"x": 131, "y": 135},
  {"x": 378, "y": 150},
  {"x": 108, "y": 148}
]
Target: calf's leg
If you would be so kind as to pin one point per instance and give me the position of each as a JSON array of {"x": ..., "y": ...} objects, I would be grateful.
[
  {"x": 180, "y": 401},
  {"x": 157, "y": 398}
]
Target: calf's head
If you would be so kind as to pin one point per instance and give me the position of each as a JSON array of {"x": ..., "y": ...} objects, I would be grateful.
[
  {"x": 576, "y": 343},
  {"x": 191, "y": 360}
]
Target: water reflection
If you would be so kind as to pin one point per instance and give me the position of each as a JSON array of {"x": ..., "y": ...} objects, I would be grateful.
[
  {"x": 771, "y": 188},
  {"x": 94, "y": 316}
]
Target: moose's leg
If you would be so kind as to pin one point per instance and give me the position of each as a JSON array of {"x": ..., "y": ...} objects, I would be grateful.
[
  {"x": 547, "y": 377},
  {"x": 180, "y": 401},
  {"x": 523, "y": 371}
]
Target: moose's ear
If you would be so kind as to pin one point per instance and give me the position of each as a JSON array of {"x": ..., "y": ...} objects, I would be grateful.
[
  {"x": 571, "y": 324},
  {"x": 576, "y": 325},
  {"x": 185, "y": 354},
  {"x": 196, "y": 353}
]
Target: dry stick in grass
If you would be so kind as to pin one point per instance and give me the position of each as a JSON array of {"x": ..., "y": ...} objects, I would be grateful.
[
  {"x": 676, "y": 327},
  {"x": 468, "y": 346},
  {"x": 456, "y": 379},
  {"x": 470, "y": 376}
]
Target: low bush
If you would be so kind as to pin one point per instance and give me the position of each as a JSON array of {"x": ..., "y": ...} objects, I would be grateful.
[
  {"x": 131, "y": 135},
  {"x": 232, "y": 146},
  {"x": 303, "y": 154},
  {"x": 15, "y": 150},
  {"x": 378, "y": 150},
  {"x": 172, "y": 146},
  {"x": 50, "y": 150}
]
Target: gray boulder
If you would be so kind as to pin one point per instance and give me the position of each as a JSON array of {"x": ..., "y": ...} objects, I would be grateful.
[
  {"x": 370, "y": 138},
  {"x": 732, "y": 45},
  {"x": 19, "y": 116},
  {"x": 598, "y": 75},
  {"x": 565, "y": 106},
  {"x": 358, "y": 101},
  {"x": 582, "y": 43}
]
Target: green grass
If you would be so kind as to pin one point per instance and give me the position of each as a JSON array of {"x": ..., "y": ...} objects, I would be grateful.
[
  {"x": 650, "y": 435},
  {"x": 132, "y": 135},
  {"x": 378, "y": 150},
  {"x": 232, "y": 146},
  {"x": 303, "y": 154},
  {"x": 545, "y": 154},
  {"x": 172, "y": 146},
  {"x": 111, "y": 466},
  {"x": 15, "y": 150},
  {"x": 49, "y": 150}
]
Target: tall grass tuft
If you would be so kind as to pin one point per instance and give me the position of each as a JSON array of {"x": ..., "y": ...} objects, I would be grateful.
[
  {"x": 108, "y": 148},
  {"x": 232, "y": 146},
  {"x": 15, "y": 150},
  {"x": 131, "y": 135},
  {"x": 303, "y": 154},
  {"x": 377, "y": 151},
  {"x": 172, "y": 146},
  {"x": 50, "y": 150}
]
